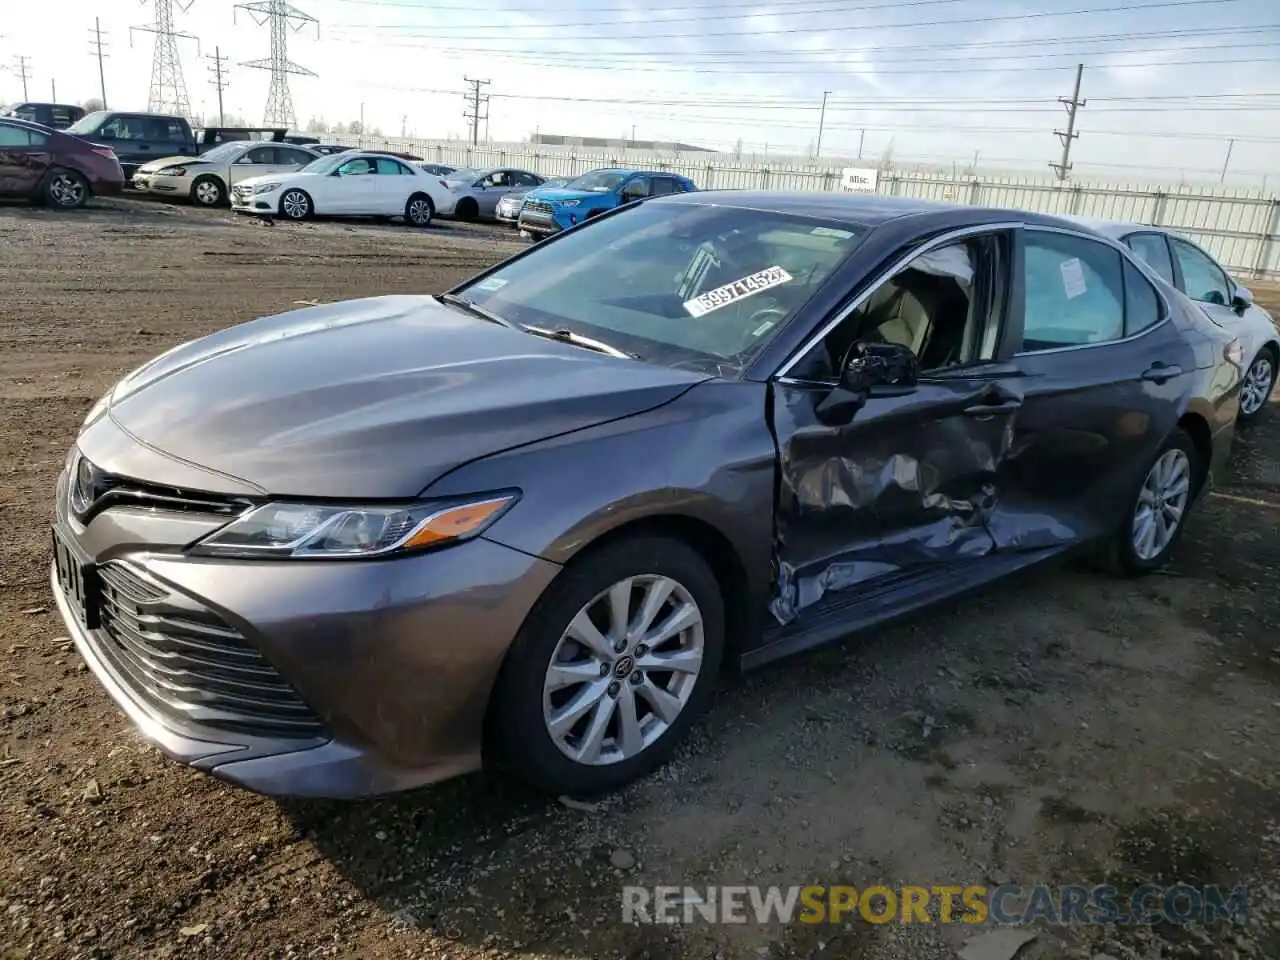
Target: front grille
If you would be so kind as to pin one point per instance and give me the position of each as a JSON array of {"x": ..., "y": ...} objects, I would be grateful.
[
  {"x": 92, "y": 490},
  {"x": 538, "y": 206},
  {"x": 190, "y": 666}
]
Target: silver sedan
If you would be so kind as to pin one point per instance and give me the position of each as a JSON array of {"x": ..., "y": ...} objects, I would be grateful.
[{"x": 479, "y": 191}]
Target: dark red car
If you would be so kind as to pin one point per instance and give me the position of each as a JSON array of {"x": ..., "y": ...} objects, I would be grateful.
[{"x": 62, "y": 170}]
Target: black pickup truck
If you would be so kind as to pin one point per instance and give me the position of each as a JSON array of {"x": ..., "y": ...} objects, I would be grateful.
[{"x": 139, "y": 138}]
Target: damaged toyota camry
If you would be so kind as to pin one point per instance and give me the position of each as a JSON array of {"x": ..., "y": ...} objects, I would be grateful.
[{"x": 365, "y": 546}]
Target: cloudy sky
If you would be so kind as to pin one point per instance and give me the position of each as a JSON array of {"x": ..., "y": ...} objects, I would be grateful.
[{"x": 1169, "y": 83}]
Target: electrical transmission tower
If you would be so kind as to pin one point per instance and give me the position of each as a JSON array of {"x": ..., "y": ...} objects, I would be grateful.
[
  {"x": 283, "y": 17},
  {"x": 218, "y": 68},
  {"x": 1063, "y": 167},
  {"x": 476, "y": 100},
  {"x": 168, "y": 89},
  {"x": 24, "y": 73},
  {"x": 98, "y": 48}
]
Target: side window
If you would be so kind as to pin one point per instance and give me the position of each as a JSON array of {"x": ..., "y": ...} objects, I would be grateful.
[
  {"x": 117, "y": 128},
  {"x": 663, "y": 186},
  {"x": 285, "y": 155},
  {"x": 528, "y": 180},
  {"x": 1142, "y": 306},
  {"x": 1074, "y": 291},
  {"x": 392, "y": 168},
  {"x": 1202, "y": 279},
  {"x": 635, "y": 189},
  {"x": 19, "y": 137},
  {"x": 1152, "y": 250},
  {"x": 175, "y": 132},
  {"x": 260, "y": 155},
  {"x": 945, "y": 307},
  {"x": 356, "y": 167}
]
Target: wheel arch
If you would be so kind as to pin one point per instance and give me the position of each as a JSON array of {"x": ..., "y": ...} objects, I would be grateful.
[{"x": 1197, "y": 428}]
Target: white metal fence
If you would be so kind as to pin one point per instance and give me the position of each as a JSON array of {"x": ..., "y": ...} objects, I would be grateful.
[{"x": 1240, "y": 226}]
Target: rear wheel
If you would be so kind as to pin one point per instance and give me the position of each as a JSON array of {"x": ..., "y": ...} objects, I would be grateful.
[
  {"x": 467, "y": 209},
  {"x": 65, "y": 189},
  {"x": 419, "y": 210},
  {"x": 1255, "y": 389},
  {"x": 612, "y": 667},
  {"x": 208, "y": 192},
  {"x": 1159, "y": 511},
  {"x": 295, "y": 205}
]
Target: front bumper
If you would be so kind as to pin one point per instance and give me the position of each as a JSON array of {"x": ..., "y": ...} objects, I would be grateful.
[
  {"x": 162, "y": 184},
  {"x": 250, "y": 203},
  {"x": 541, "y": 224},
  {"x": 383, "y": 669}
]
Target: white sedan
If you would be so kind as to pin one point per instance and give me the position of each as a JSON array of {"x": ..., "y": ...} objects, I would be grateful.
[
  {"x": 1227, "y": 303},
  {"x": 207, "y": 180},
  {"x": 351, "y": 184}
]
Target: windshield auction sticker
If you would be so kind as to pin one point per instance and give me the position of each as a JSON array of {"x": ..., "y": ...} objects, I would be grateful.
[{"x": 720, "y": 297}]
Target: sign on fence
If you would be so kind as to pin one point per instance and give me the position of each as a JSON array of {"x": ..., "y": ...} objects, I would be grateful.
[{"x": 858, "y": 180}]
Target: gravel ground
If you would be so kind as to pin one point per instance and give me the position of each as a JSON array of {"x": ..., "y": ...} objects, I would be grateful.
[{"x": 1068, "y": 728}]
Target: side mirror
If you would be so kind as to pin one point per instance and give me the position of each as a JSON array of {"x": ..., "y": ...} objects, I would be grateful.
[
  {"x": 1243, "y": 299},
  {"x": 870, "y": 370}
]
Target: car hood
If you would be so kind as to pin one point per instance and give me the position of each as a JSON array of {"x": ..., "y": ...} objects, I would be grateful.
[
  {"x": 155, "y": 166},
  {"x": 373, "y": 398},
  {"x": 282, "y": 177},
  {"x": 555, "y": 194}
]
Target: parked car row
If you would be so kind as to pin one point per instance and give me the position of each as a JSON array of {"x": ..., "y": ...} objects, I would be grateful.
[{"x": 868, "y": 404}]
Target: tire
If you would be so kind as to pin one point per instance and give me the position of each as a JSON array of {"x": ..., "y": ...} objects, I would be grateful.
[
  {"x": 525, "y": 714},
  {"x": 65, "y": 189},
  {"x": 419, "y": 211},
  {"x": 1123, "y": 555},
  {"x": 295, "y": 204},
  {"x": 467, "y": 209},
  {"x": 1255, "y": 388},
  {"x": 208, "y": 191}
]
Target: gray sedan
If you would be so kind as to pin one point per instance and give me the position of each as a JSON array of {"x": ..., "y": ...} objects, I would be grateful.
[{"x": 479, "y": 191}]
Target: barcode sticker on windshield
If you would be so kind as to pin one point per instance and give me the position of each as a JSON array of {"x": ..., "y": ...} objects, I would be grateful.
[{"x": 765, "y": 279}]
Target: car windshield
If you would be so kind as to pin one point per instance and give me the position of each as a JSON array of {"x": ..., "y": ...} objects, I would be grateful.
[
  {"x": 223, "y": 152},
  {"x": 326, "y": 164},
  {"x": 601, "y": 181},
  {"x": 88, "y": 123},
  {"x": 690, "y": 285}
]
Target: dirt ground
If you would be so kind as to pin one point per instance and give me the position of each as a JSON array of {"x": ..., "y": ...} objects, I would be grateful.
[{"x": 1068, "y": 728}]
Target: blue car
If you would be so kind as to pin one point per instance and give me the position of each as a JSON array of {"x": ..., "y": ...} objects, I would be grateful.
[{"x": 549, "y": 211}]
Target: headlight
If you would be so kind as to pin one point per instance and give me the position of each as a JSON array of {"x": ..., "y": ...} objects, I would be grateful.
[
  {"x": 264, "y": 188},
  {"x": 567, "y": 203},
  {"x": 316, "y": 531},
  {"x": 173, "y": 171}
]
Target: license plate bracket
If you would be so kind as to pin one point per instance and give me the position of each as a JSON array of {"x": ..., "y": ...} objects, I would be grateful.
[{"x": 78, "y": 580}]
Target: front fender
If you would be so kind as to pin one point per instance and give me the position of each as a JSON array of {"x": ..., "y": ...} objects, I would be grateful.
[{"x": 707, "y": 456}]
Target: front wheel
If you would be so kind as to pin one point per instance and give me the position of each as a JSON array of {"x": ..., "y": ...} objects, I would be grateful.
[
  {"x": 419, "y": 211},
  {"x": 295, "y": 205},
  {"x": 1159, "y": 512},
  {"x": 612, "y": 667},
  {"x": 208, "y": 192},
  {"x": 1255, "y": 389},
  {"x": 66, "y": 190}
]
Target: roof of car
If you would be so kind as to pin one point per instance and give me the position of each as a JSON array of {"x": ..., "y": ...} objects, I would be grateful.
[
  {"x": 1115, "y": 229},
  {"x": 859, "y": 209}
]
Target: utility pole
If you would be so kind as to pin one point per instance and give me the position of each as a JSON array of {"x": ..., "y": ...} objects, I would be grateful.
[
  {"x": 1068, "y": 136},
  {"x": 476, "y": 100},
  {"x": 218, "y": 69},
  {"x": 862, "y": 138},
  {"x": 24, "y": 72},
  {"x": 98, "y": 48},
  {"x": 1225, "y": 163},
  {"x": 822, "y": 122},
  {"x": 53, "y": 89}
]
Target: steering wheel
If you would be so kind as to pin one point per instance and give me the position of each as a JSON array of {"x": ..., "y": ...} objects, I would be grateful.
[{"x": 767, "y": 316}]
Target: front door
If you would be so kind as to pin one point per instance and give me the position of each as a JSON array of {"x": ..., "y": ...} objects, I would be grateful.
[
  {"x": 255, "y": 162},
  {"x": 24, "y": 160},
  {"x": 1101, "y": 372},
  {"x": 903, "y": 487}
]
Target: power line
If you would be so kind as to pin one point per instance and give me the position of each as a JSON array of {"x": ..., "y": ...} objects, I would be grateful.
[
  {"x": 645, "y": 34},
  {"x": 475, "y": 101},
  {"x": 24, "y": 73},
  {"x": 218, "y": 69},
  {"x": 282, "y": 16},
  {"x": 168, "y": 90},
  {"x": 98, "y": 48},
  {"x": 1070, "y": 135}
]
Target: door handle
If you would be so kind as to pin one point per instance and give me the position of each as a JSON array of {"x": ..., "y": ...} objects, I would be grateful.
[
  {"x": 992, "y": 409},
  {"x": 1160, "y": 372}
]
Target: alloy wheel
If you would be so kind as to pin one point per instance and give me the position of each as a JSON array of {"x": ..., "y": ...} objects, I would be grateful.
[
  {"x": 1256, "y": 388},
  {"x": 419, "y": 212},
  {"x": 295, "y": 205},
  {"x": 66, "y": 190},
  {"x": 1162, "y": 504},
  {"x": 623, "y": 670}
]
